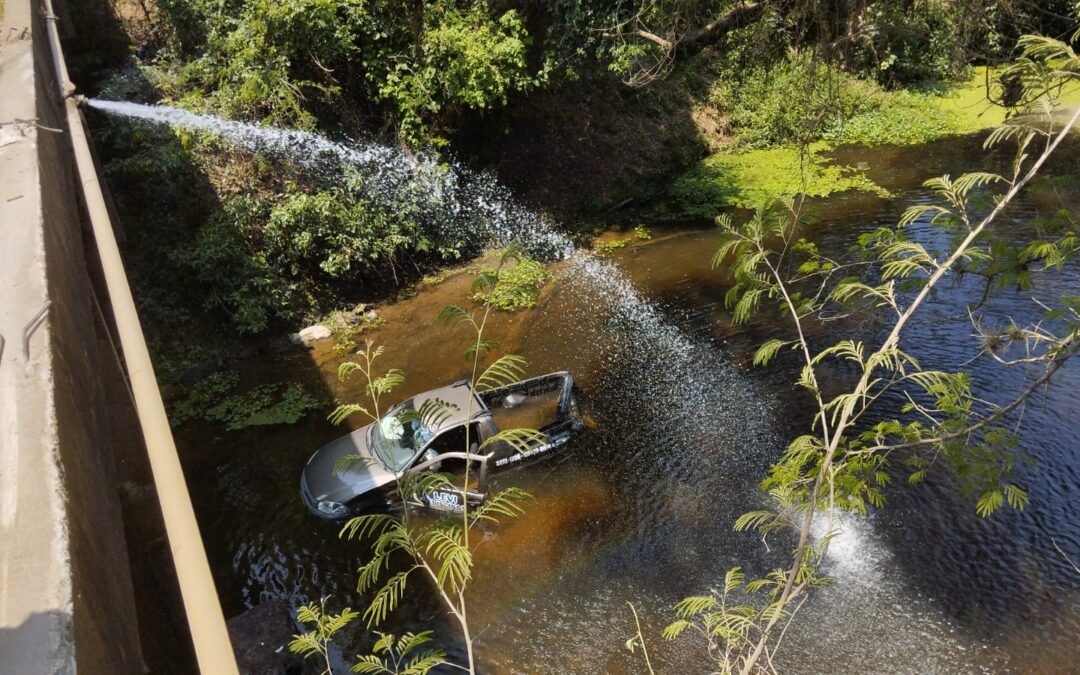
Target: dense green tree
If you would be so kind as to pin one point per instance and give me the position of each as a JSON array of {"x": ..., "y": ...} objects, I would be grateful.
[{"x": 284, "y": 62}]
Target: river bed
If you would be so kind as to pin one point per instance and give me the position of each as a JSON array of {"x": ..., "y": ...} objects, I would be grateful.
[{"x": 640, "y": 508}]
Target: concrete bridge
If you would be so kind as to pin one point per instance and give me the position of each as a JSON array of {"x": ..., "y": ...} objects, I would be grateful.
[{"x": 80, "y": 411}]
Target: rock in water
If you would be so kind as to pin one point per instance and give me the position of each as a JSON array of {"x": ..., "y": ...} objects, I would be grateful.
[{"x": 311, "y": 334}]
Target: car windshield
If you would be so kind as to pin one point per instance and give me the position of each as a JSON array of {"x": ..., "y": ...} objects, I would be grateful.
[{"x": 399, "y": 435}]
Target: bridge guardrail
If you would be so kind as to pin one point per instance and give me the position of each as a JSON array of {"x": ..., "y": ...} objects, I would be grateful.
[{"x": 213, "y": 648}]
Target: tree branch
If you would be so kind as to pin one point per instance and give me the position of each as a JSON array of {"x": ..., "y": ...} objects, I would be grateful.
[
  {"x": 740, "y": 14},
  {"x": 890, "y": 343},
  {"x": 666, "y": 45}
]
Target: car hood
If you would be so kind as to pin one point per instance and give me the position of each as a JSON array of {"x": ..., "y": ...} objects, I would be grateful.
[{"x": 323, "y": 483}]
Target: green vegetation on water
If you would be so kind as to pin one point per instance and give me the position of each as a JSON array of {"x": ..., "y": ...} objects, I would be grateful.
[
  {"x": 755, "y": 168},
  {"x": 217, "y": 399},
  {"x": 518, "y": 286},
  {"x": 933, "y": 110},
  {"x": 745, "y": 179}
]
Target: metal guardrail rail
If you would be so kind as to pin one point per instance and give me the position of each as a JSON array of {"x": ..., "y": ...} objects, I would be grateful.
[{"x": 209, "y": 634}]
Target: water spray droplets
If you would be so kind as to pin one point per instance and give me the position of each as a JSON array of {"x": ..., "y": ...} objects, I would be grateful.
[{"x": 450, "y": 202}]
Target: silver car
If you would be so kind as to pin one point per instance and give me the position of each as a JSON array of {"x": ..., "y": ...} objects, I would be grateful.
[{"x": 401, "y": 443}]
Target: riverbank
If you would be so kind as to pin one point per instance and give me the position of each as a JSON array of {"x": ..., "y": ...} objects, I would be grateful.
[{"x": 740, "y": 177}]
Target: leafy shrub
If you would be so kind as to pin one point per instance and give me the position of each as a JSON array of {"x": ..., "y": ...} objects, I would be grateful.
[
  {"x": 284, "y": 61},
  {"x": 267, "y": 59},
  {"x": 262, "y": 258},
  {"x": 903, "y": 43},
  {"x": 470, "y": 60},
  {"x": 792, "y": 101}
]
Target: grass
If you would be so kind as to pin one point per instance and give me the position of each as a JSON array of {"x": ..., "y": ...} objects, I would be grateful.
[
  {"x": 747, "y": 178},
  {"x": 919, "y": 115}
]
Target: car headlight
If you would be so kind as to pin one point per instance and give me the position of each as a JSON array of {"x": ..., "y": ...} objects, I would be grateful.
[{"x": 331, "y": 508}]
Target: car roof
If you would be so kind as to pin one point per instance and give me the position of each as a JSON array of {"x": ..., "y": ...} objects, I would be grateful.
[{"x": 457, "y": 395}]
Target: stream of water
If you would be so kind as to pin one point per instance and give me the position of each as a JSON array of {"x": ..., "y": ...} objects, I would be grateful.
[
  {"x": 456, "y": 203},
  {"x": 640, "y": 509}
]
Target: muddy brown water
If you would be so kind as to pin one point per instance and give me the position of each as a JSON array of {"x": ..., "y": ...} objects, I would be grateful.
[{"x": 640, "y": 508}]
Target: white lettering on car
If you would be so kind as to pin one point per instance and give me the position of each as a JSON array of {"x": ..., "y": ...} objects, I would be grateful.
[
  {"x": 532, "y": 452},
  {"x": 447, "y": 501}
]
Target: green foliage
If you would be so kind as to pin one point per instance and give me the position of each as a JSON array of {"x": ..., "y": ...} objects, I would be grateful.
[
  {"x": 316, "y": 642},
  {"x": 642, "y": 233},
  {"x": 727, "y": 627},
  {"x": 375, "y": 386},
  {"x": 263, "y": 60},
  {"x": 518, "y": 286},
  {"x": 746, "y": 179},
  {"x": 909, "y": 42},
  {"x": 471, "y": 58},
  {"x": 603, "y": 248},
  {"x": 505, "y": 370},
  {"x": 216, "y": 399},
  {"x": 390, "y": 655},
  {"x": 789, "y": 102},
  {"x": 229, "y": 235},
  {"x": 286, "y": 62},
  {"x": 266, "y": 258}
]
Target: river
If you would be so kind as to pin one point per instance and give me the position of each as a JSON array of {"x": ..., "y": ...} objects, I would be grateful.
[{"x": 640, "y": 509}]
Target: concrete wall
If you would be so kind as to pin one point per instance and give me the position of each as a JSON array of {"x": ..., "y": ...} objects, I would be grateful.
[{"x": 66, "y": 599}]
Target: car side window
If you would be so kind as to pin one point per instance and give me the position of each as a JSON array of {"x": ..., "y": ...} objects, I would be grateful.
[{"x": 452, "y": 440}]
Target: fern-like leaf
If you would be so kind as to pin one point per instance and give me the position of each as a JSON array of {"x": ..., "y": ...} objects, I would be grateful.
[
  {"x": 346, "y": 410},
  {"x": 452, "y": 314},
  {"x": 506, "y": 370},
  {"x": 521, "y": 440},
  {"x": 387, "y": 598}
]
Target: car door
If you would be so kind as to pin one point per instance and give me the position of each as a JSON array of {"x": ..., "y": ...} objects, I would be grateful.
[{"x": 446, "y": 454}]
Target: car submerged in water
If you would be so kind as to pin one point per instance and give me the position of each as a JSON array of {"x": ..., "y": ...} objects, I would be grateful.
[{"x": 404, "y": 441}]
